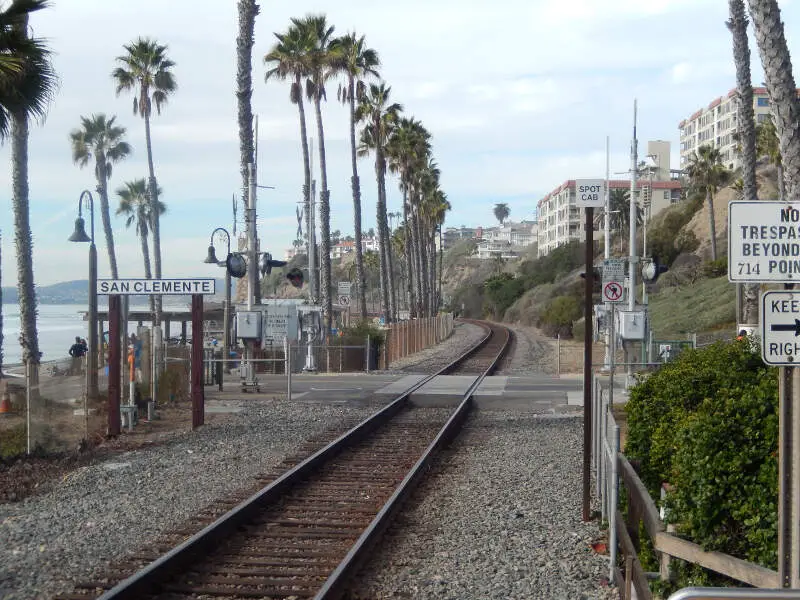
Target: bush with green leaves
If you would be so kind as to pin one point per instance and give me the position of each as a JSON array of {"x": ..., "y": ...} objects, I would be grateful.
[
  {"x": 707, "y": 423},
  {"x": 725, "y": 472},
  {"x": 716, "y": 268},
  {"x": 358, "y": 333},
  {"x": 500, "y": 292},
  {"x": 559, "y": 315},
  {"x": 658, "y": 405}
]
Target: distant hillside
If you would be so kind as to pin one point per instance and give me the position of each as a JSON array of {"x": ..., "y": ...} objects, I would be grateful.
[{"x": 73, "y": 292}]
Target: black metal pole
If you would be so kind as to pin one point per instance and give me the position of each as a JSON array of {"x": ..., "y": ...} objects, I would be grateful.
[{"x": 587, "y": 362}]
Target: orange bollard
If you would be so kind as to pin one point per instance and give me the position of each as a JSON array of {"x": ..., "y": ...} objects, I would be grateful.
[{"x": 5, "y": 402}]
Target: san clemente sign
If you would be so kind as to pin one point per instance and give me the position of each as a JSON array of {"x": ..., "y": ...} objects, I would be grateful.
[{"x": 156, "y": 287}]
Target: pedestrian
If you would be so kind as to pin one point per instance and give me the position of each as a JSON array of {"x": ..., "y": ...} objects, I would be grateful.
[
  {"x": 136, "y": 344},
  {"x": 77, "y": 351}
]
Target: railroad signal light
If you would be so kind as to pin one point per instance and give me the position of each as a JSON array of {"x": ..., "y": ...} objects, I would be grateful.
[
  {"x": 596, "y": 279},
  {"x": 295, "y": 277},
  {"x": 265, "y": 263},
  {"x": 236, "y": 265},
  {"x": 652, "y": 269}
]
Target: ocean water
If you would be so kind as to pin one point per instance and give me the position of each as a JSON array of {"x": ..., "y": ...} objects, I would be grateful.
[{"x": 58, "y": 324}]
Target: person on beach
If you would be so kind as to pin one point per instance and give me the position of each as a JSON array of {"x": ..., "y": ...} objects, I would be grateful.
[{"x": 77, "y": 351}]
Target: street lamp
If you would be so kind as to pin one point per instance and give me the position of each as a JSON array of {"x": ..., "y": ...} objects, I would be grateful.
[
  {"x": 79, "y": 235},
  {"x": 211, "y": 259}
]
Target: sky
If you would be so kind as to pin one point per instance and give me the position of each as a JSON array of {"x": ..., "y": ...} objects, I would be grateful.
[{"x": 519, "y": 95}]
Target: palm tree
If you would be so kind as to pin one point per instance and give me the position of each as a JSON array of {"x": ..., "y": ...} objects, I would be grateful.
[
  {"x": 501, "y": 212},
  {"x": 100, "y": 137},
  {"x": 358, "y": 63},
  {"x": 248, "y": 9},
  {"x": 287, "y": 61},
  {"x": 707, "y": 174},
  {"x": 380, "y": 117},
  {"x": 134, "y": 204},
  {"x": 321, "y": 57},
  {"x": 746, "y": 132},
  {"x": 27, "y": 86},
  {"x": 619, "y": 203},
  {"x": 147, "y": 72},
  {"x": 768, "y": 145},
  {"x": 781, "y": 86},
  {"x": 408, "y": 151}
]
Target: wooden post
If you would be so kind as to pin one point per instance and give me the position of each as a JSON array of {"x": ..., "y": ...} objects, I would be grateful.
[
  {"x": 114, "y": 363},
  {"x": 587, "y": 361},
  {"x": 198, "y": 393}
]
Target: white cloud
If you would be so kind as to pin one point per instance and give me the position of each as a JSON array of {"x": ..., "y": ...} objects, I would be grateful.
[{"x": 518, "y": 94}]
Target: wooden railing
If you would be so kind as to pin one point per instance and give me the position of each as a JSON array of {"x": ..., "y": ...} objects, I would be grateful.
[{"x": 642, "y": 508}]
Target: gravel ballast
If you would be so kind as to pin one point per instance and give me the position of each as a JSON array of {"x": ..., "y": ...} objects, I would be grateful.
[
  {"x": 498, "y": 517},
  {"x": 430, "y": 360},
  {"x": 112, "y": 508}
]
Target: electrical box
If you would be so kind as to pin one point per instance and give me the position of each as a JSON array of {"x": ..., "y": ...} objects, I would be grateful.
[
  {"x": 631, "y": 324},
  {"x": 248, "y": 325}
]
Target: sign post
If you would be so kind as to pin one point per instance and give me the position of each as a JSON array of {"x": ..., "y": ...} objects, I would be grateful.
[
  {"x": 764, "y": 247},
  {"x": 589, "y": 193},
  {"x": 115, "y": 289}
]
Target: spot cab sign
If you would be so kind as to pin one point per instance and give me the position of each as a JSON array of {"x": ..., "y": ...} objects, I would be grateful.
[{"x": 590, "y": 193}]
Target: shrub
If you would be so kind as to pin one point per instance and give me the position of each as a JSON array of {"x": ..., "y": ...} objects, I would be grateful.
[
  {"x": 716, "y": 268},
  {"x": 13, "y": 441},
  {"x": 501, "y": 291},
  {"x": 358, "y": 333},
  {"x": 659, "y": 404},
  {"x": 725, "y": 472},
  {"x": 559, "y": 315}
]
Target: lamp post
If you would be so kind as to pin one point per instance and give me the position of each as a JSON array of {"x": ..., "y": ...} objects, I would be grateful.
[
  {"x": 79, "y": 235},
  {"x": 212, "y": 260}
]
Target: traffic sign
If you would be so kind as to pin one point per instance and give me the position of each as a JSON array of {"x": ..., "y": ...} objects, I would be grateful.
[
  {"x": 590, "y": 193},
  {"x": 343, "y": 288},
  {"x": 614, "y": 279},
  {"x": 613, "y": 291},
  {"x": 780, "y": 327},
  {"x": 764, "y": 242},
  {"x": 614, "y": 269},
  {"x": 344, "y": 300}
]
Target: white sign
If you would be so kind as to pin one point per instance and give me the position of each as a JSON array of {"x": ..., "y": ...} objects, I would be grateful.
[
  {"x": 764, "y": 242},
  {"x": 590, "y": 193},
  {"x": 344, "y": 300},
  {"x": 343, "y": 288},
  {"x": 156, "y": 287},
  {"x": 780, "y": 328},
  {"x": 280, "y": 321},
  {"x": 614, "y": 279},
  {"x": 614, "y": 269}
]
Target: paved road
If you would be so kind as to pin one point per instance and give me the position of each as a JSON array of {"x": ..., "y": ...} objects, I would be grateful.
[{"x": 537, "y": 393}]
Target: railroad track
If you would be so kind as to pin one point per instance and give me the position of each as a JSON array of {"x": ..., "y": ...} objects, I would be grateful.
[{"x": 306, "y": 533}]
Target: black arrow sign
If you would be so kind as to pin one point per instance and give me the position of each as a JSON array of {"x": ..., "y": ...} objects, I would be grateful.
[{"x": 787, "y": 327}]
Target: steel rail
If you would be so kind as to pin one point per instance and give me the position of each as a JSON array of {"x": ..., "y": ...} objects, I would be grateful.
[
  {"x": 337, "y": 583},
  {"x": 147, "y": 580}
]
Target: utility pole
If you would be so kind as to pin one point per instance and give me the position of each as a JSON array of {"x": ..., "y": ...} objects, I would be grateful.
[
  {"x": 607, "y": 250},
  {"x": 253, "y": 184},
  {"x": 633, "y": 259}
]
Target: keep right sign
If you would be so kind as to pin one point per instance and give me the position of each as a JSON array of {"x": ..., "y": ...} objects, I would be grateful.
[{"x": 780, "y": 327}]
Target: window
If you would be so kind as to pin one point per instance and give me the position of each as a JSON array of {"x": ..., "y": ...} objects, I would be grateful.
[
  {"x": 763, "y": 102},
  {"x": 761, "y": 118},
  {"x": 666, "y": 194}
]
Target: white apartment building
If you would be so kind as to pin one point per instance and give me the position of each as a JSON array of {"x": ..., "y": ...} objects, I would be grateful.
[
  {"x": 716, "y": 124},
  {"x": 514, "y": 234},
  {"x": 561, "y": 222}
]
